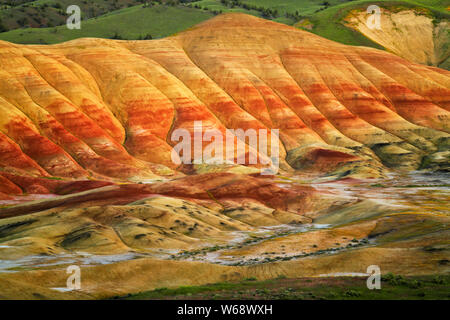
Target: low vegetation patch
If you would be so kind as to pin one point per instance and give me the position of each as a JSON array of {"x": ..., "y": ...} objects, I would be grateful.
[{"x": 393, "y": 287}]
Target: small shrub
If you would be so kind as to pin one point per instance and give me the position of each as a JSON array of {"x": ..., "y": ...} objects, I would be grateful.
[
  {"x": 251, "y": 279},
  {"x": 439, "y": 280},
  {"x": 352, "y": 293}
]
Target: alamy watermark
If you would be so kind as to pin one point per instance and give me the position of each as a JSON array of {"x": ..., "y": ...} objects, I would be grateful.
[
  {"x": 374, "y": 20},
  {"x": 74, "y": 20},
  {"x": 74, "y": 280},
  {"x": 238, "y": 146},
  {"x": 374, "y": 279}
]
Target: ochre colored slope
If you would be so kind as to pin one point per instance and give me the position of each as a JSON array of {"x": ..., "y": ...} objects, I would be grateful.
[
  {"x": 105, "y": 108},
  {"x": 409, "y": 33}
]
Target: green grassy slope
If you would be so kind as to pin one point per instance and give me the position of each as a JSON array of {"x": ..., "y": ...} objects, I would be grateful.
[
  {"x": 393, "y": 287},
  {"x": 130, "y": 23},
  {"x": 304, "y": 7},
  {"x": 49, "y": 13}
]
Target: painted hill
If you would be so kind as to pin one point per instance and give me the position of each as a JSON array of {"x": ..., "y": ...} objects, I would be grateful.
[
  {"x": 87, "y": 177},
  {"x": 106, "y": 108}
]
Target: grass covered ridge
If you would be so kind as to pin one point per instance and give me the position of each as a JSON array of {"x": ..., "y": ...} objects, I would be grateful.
[
  {"x": 37, "y": 21},
  {"x": 130, "y": 23},
  {"x": 393, "y": 287}
]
